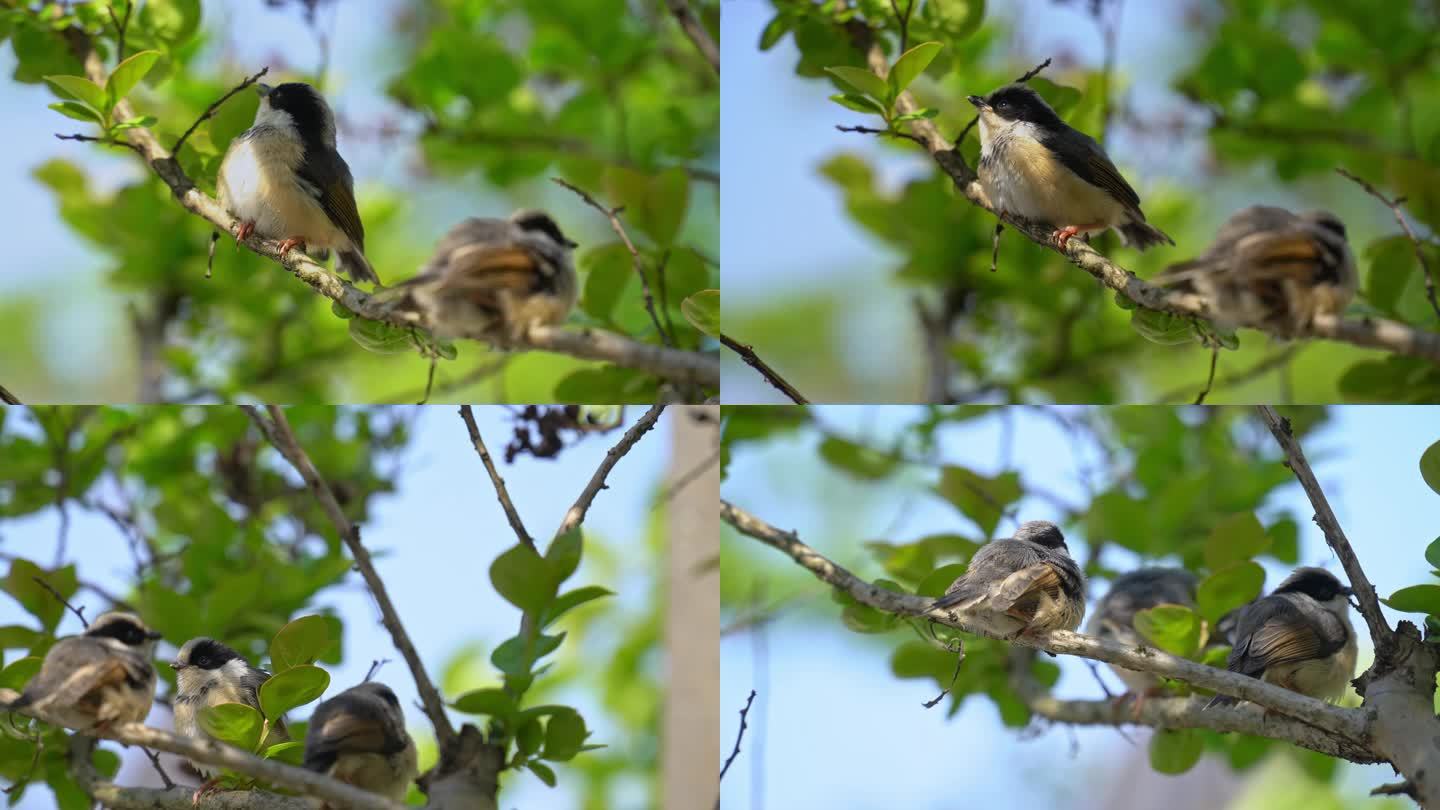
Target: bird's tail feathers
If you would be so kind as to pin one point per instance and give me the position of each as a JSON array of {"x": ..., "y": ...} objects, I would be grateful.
[
  {"x": 1140, "y": 235},
  {"x": 355, "y": 263}
]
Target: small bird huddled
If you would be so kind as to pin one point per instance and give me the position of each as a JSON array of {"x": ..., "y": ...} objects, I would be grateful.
[{"x": 104, "y": 677}]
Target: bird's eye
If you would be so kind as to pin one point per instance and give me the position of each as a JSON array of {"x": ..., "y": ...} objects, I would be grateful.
[
  {"x": 203, "y": 661},
  {"x": 1002, "y": 105}
]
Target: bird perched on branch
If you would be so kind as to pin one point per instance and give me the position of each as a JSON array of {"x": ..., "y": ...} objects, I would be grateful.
[
  {"x": 1298, "y": 637},
  {"x": 98, "y": 679},
  {"x": 283, "y": 179},
  {"x": 208, "y": 673},
  {"x": 493, "y": 279},
  {"x": 1023, "y": 584},
  {"x": 1114, "y": 618},
  {"x": 1272, "y": 269},
  {"x": 359, "y": 738},
  {"x": 1035, "y": 166}
]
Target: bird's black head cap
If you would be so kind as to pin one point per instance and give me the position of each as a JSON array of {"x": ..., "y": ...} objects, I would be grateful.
[
  {"x": 1017, "y": 102},
  {"x": 1042, "y": 532},
  {"x": 542, "y": 222},
  {"x": 1317, "y": 583}
]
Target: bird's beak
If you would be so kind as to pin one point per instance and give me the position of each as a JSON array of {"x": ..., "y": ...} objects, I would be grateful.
[
  {"x": 263, "y": 89},
  {"x": 154, "y": 635},
  {"x": 1348, "y": 591},
  {"x": 176, "y": 665},
  {"x": 977, "y": 101}
]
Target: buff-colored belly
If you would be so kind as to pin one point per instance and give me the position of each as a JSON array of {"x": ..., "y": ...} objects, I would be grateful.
[
  {"x": 257, "y": 184},
  {"x": 1030, "y": 182}
]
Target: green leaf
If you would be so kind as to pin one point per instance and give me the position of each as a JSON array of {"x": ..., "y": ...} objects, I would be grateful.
[
  {"x": 1416, "y": 599},
  {"x": 778, "y": 26},
  {"x": 1432, "y": 554},
  {"x": 1430, "y": 466},
  {"x": 1237, "y": 537},
  {"x": 1229, "y": 588},
  {"x": 1175, "y": 751},
  {"x": 20, "y": 671},
  {"x": 81, "y": 89},
  {"x": 564, "y": 734},
  {"x": 530, "y": 736},
  {"x": 523, "y": 578},
  {"x": 935, "y": 583},
  {"x": 654, "y": 203},
  {"x": 563, "y": 555},
  {"x": 39, "y": 602},
  {"x": 127, "y": 74},
  {"x": 702, "y": 310},
  {"x": 566, "y": 602},
  {"x": 380, "y": 337},
  {"x": 983, "y": 500},
  {"x": 302, "y": 641},
  {"x": 293, "y": 687},
  {"x": 135, "y": 123},
  {"x": 924, "y": 112},
  {"x": 859, "y": 103},
  {"x": 292, "y": 752},
  {"x": 1173, "y": 628},
  {"x": 77, "y": 111},
  {"x": 861, "y": 462},
  {"x": 170, "y": 21},
  {"x": 234, "y": 723},
  {"x": 863, "y": 81},
  {"x": 911, "y": 64},
  {"x": 494, "y": 702},
  {"x": 543, "y": 771}
]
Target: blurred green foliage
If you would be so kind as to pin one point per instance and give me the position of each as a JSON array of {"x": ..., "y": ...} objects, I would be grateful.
[
  {"x": 1278, "y": 94},
  {"x": 494, "y": 96},
  {"x": 1184, "y": 486},
  {"x": 227, "y": 542}
]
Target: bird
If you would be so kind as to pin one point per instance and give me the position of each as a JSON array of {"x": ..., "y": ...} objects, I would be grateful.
[
  {"x": 359, "y": 738},
  {"x": 1035, "y": 166},
  {"x": 208, "y": 673},
  {"x": 493, "y": 279},
  {"x": 1298, "y": 637},
  {"x": 284, "y": 179},
  {"x": 1272, "y": 269},
  {"x": 1024, "y": 584},
  {"x": 98, "y": 679},
  {"x": 1114, "y": 617}
]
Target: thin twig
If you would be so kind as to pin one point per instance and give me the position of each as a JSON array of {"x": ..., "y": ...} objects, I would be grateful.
[
  {"x": 1261, "y": 368},
  {"x": 995, "y": 247},
  {"x": 500, "y": 491},
  {"x": 374, "y": 668},
  {"x": 79, "y": 612},
  {"x": 1024, "y": 77},
  {"x": 277, "y": 431},
  {"x": 1210, "y": 380},
  {"x": 690, "y": 475},
  {"x": 120, "y": 26},
  {"x": 9, "y": 398},
  {"x": 215, "y": 106},
  {"x": 1406, "y": 788},
  {"x": 740, "y": 736},
  {"x": 1394, "y": 206},
  {"x": 771, "y": 376},
  {"x": 695, "y": 30},
  {"x": 613, "y": 214},
  {"x": 575, "y": 515},
  {"x": 889, "y": 133},
  {"x": 429, "y": 382},
  {"x": 160, "y": 769},
  {"x": 1369, "y": 604},
  {"x": 904, "y": 19},
  {"x": 108, "y": 141}
]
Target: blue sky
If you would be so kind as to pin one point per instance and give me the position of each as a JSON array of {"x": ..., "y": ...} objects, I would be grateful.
[
  {"x": 434, "y": 541},
  {"x": 838, "y": 730}
]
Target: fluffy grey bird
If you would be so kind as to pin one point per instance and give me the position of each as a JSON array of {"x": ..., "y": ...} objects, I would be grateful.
[
  {"x": 1022, "y": 584},
  {"x": 1298, "y": 637},
  {"x": 359, "y": 737},
  {"x": 493, "y": 279},
  {"x": 98, "y": 679},
  {"x": 1114, "y": 617},
  {"x": 1272, "y": 269},
  {"x": 284, "y": 179}
]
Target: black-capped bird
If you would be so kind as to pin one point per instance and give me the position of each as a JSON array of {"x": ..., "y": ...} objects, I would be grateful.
[
  {"x": 1034, "y": 165},
  {"x": 284, "y": 179},
  {"x": 101, "y": 678},
  {"x": 359, "y": 738},
  {"x": 1298, "y": 637},
  {"x": 493, "y": 279},
  {"x": 1272, "y": 269},
  {"x": 1022, "y": 584}
]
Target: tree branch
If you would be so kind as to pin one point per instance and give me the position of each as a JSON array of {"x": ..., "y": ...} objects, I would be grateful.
[
  {"x": 771, "y": 375},
  {"x": 215, "y": 105},
  {"x": 209, "y": 752},
  {"x": 1380, "y": 632},
  {"x": 9, "y": 398},
  {"x": 1394, "y": 206},
  {"x": 695, "y": 30},
  {"x": 500, "y": 491},
  {"x": 278, "y": 432},
  {"x": 1375, "y": 333},
  {"x": 1347, "y": 724},
  {"x": 685, "y": 367}
]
